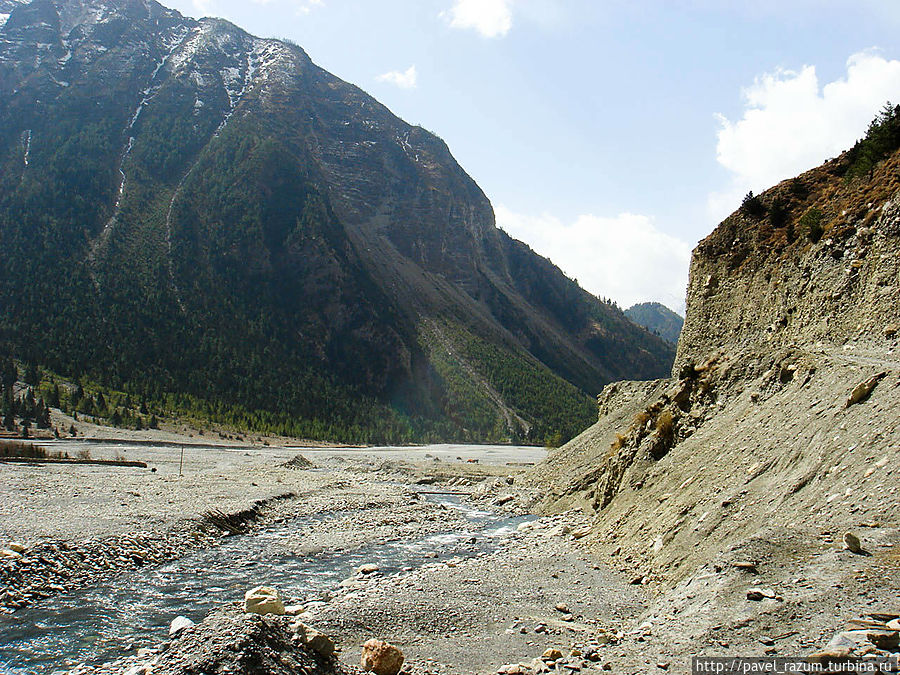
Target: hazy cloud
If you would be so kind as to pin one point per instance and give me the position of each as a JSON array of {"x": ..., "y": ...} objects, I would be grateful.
[
  {"x": 491, "y": 18},
  {"x": 405, "y": 79},
  {"x": 301, "y": 7},
  {"x": 790, "y": 123},
  {"x": 304, "y": 6},
  {"x": 625, "y": 258}
]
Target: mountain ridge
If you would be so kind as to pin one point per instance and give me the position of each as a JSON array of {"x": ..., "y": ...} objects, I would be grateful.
[
  {"x": 658, "y": 319},
  {"x": 221, "y": 217}
]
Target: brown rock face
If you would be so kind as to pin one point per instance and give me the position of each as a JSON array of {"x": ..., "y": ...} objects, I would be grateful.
[{"x": 381, "y": 658}]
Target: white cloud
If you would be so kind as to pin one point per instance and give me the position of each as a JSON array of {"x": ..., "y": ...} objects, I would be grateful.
[
  {"x": 405, "y": 79},
  {"x": 625, "y": 258},
  {"x": 491, "y": 18},
  {"x": 790, "y": 123}
]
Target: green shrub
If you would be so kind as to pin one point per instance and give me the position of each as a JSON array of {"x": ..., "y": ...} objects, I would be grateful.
[
  {"x": 811, "y": 224},
  {"x": 778, "y": 213}
]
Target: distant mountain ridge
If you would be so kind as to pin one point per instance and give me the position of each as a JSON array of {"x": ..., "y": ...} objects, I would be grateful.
[
  {"x": 658, "y": 319},
  {"x": 209, "y": 219}
]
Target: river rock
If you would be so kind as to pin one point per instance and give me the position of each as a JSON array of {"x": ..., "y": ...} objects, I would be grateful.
[
  {"x": 263, "y": 600},
  {"x": 179, "y": 623},
  {"x": 381, "y": 657}
]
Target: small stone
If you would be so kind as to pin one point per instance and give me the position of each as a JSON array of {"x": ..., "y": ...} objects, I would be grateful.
[
  {"x": 891, "y": 330},
  {"x": 888, "y": 640},
  {"x": 562, "y": 607},
  {"x": 381, "y": 658},
  {"x": 17, "y": 547},
  {"x": 830, "y": 655},
  {"x": 316, "y": 641},
  {"x": 513, "y": 669},
  {"x": 862, "y": 391},
  {"x": 370, "y": 568},
  {"x": 757, "y": 594},
  {"x": 894, "y": 624},
  {"x": 551, "y": 654},
  {"x": 9, "y": 553},
  {"x": 263, "y": 600},
  {"x": 663, "y": 665},
  {"x": 746, "y": 566},
  {"x": 581, "y": 532},
  {"x": 142, "y": 669},
  {"x": 767, "y": 641},
  {"x": 179, "y": 624},
  {"x": 852, "y": 544}
]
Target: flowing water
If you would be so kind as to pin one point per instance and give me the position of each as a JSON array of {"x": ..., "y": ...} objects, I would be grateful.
[{"x": 105, "y": 621}]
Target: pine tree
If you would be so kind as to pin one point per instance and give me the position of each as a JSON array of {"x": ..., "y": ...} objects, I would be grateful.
[
  {"x": 8, "y": 373},
  {"x": 32, "y": 375},
  {"x": 9, "y": 421},
  {"x": 53, "y": 400}
]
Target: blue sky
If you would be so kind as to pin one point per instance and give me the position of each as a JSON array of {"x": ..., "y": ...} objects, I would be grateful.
[{"x": 610, "y": 135}]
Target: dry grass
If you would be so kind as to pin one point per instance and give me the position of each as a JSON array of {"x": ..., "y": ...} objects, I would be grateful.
[
  {"x": 665, "y": 424},
  {"x": 641, "y": 419},
  {"x": 25, "y": 450}
]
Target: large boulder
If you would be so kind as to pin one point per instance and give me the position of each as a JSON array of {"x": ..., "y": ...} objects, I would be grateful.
[
  {"x": 263, "y": 600},
  {"x": 179, "y": 624},
  {"x": 381, "y": 658}
]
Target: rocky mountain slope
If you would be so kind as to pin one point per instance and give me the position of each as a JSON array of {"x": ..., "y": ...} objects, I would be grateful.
[
  {"x": 658, "y": 319},
  {"x": 776, "y": 435},
  {"x": 210, "y": 221}
]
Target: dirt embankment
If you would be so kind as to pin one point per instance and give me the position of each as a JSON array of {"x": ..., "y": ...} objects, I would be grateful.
[{"x": 777, "y": 435}]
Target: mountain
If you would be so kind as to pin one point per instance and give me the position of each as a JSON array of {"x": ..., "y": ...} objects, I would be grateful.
[
  {"x": 658, "y": 319},
  {"x": 210, "y": 221},
  {"x": 777, "y": 431}
]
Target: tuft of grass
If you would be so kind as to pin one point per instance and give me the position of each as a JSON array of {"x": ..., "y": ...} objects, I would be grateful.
[
  {"x": 641, "y": 419},
  {"x": 665, "y": 424}
]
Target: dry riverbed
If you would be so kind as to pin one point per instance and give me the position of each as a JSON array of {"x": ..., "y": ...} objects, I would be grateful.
[
  {"x": 529, "y": 589},
  {"x": 65, "y": 527}
]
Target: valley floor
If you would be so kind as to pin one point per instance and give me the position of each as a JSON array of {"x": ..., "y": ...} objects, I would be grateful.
[{"x": 539, "y": 587}]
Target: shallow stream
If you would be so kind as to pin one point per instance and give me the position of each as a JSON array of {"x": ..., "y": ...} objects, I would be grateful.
[{"x": 105, "y": 621}]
